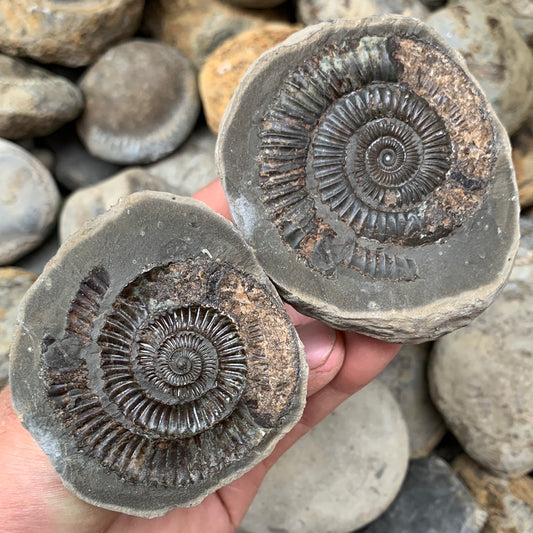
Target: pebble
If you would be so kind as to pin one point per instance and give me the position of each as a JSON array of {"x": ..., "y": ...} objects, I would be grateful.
[
  {"x": 198, "y": 28},
  {"x": 224, "y": 68},
  {"x": 190, "y": 167},
  {"x": 522, "y": 142},
  {"x": 29, "y": 202},
  {"x": 481, "y": 377},
  {"x": 33, "y": 101},
  {"x": 341, "y": 475},
  {"x": 432, "y": 500},
  {"x": 141, "y": 102},
  {"x": 313, "y": 11},
  {"x": 255, "y": 4},
  {"x": 14, "y": 282},
  {"x": 508, "y": 502},
  {"x": 63, "y": 32},
  {"x": 521, "y": 13},
  {"x": 36, "y": 261},
  {"x": 89, "y": 202},
  {"x": 494, "y": 52},
  {"x": 74, "y": 166},
  {"x": 406, "y": 378}
]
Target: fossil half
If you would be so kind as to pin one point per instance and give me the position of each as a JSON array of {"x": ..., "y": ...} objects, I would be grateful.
[
  {"x": 154, "y": 361},
  {"x": 373, "y": 181}
]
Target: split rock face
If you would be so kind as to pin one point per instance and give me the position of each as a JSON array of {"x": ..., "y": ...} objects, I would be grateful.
[
  {"x": 372, "y": 179},
  {"x": 154, "y": 361}
]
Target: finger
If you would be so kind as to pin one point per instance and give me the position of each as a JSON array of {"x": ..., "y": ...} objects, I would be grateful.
[{"x": 213, "y": 195}]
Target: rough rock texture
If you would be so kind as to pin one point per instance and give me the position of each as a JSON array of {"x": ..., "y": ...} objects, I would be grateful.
[
  {"x": 494, "y": 52},
  {"x": 198, "y": 29},
  {"x": 29, "y": 201},
  {"x": 90, "y": 202},
  {"x": 367, "y": 170},
  {"x": 341, "y": 475},
  {"x": 74, "y": 166},
  {"x": 313, "y": 11},
  {"x": 156, "y": 355},
  {"x": 68, "y": 33},
  {"x": 508, "y": 502},
  {"x": 406, "y": 378},
  {"x": 224, "y": 68},
  {"x": 190, "y": 167},
  {"x": 481, "y": 377},
  {"x": 14, "y": 282},
  {"x": 522, "y": 143},
  {"x": 34, "y": 102},
  {"x": 432, "y": 499},
  {"x": 141, "y": 102}
]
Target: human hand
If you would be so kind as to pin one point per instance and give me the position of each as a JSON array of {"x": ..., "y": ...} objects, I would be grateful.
[{"x": 33, "y": 498}]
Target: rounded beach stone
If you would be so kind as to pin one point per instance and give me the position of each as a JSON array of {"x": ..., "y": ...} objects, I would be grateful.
[
  {"x": 224, "y": 68},
  {"x": 341, "y": 475},
  {"x": 495, "y": 54},
  {"x": 522, "y": 143},
  {"x": 508, "y": 502},
  {"x": 90, "y": 202},
  {"x": 313, "y": 11},
  {"x": 68, "y": 33},
  {"x": 432, "y": 498},
  {"x": 34, "y": 102},
  {"x": 14, "y": 282},
  {"x": 29, "y": 202},
  {"x": 154, "y": 366},
  {"x": 141, "y": 102},
  {"x": 198, "y": 28},
  {"x": 521, "y": 13},
  {"x": 406, "y": 378},
  {"x": 255, "y": 4},
  {"x": 481, "y": 377},
  {"x": 190, "y": 167},
  {"x": 366, "y": 169}
]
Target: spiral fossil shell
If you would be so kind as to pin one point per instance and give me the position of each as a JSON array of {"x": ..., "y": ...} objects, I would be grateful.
[
  {"x": 154, "y": 361},
  {"x": 366, "y": 168}
]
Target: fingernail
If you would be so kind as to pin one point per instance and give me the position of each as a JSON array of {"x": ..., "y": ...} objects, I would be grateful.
[{"x": 318, "y": 340}]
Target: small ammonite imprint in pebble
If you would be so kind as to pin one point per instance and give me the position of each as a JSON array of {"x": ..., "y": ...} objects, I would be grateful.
[
  {"x": 367, "y": 148},
  {"x": 168, "y": 378}
]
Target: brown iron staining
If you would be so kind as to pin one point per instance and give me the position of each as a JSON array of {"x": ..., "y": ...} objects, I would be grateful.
[
  {"x": 176, "y": 384},
  {"x": 389, "y": 134}
]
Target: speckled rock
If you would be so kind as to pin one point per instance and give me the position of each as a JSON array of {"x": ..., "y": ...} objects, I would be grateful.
[
  {"x": 190, "y": 167},
  {"x": 406, "y": 378},
  {"x": 224, "y": 68},
  {"x": 508, "y": 502},
  {"x": 89, "y": 202},
  {"x": 494, "y": 52},
  {"x": 522, "y": 143},
  {"x": 14, "y": 282},
  {"x": 313, "y": 11},
  {"x": 341, "y": 475},
  {"x": 521, "y": 13},
  {"x": 29, "y": 201},
  {"x": 141, "y": 102},
  {"x": 74, "y": 166},
  {"x": 198, "y": 28},
  {"x": 432, "y": 500},
  {"x": 34, "y": 102},
  {"x": 481, "y": 377},
  {"x": 68, "y": 33}
]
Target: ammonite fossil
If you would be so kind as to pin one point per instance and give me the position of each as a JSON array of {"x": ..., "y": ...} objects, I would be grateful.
[
  {"x": 368, "y": 172},
  {"x": 154, "y": 361}
]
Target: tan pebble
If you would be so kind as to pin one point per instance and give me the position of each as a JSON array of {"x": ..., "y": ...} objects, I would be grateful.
[
  {"x": 224, "y": 69},
  {"x": 523, "y": 163}
]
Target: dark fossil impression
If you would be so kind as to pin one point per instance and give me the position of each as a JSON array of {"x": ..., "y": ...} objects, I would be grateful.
[
  {"x": 155, "y": 362},
  {"x": 368, "y": 172}
]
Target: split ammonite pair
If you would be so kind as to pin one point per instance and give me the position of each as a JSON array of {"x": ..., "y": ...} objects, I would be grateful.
[{"x": 371, "y": 183}]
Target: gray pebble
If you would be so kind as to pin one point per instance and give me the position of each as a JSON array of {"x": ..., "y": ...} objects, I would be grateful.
[
  {"x": 481, "y": 377},
  {"x": 34, "y": 102},
  {"x": 29, "y": 201},
  {"x": 406, "y": 378},
  {"x": 341, "y": 475},
  {"x": 141, "y": 102},
  {"x": 432, "y": 500}
]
